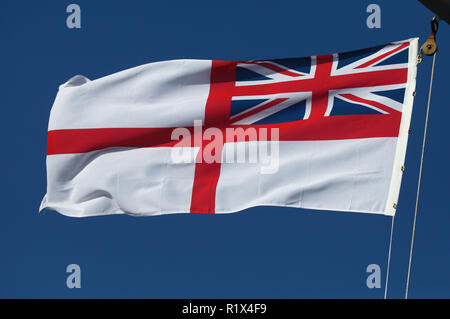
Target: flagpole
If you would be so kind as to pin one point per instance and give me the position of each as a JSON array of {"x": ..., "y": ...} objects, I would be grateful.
[{"x": 428, "y": 48}]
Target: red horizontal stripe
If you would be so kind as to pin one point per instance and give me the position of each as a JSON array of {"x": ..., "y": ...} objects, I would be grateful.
[
  {"x": 336, "y": 82},
  {"x": 340, "y": 127},
  {"x": 87, "y": 140},
  {"x": 328, "y": 128}
]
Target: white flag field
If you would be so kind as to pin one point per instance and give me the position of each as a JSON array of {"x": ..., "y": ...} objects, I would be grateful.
[{"x": 325, "y": 132}]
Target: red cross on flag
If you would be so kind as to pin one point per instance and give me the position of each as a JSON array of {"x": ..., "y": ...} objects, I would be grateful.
[{"x": 205, "y": 136}]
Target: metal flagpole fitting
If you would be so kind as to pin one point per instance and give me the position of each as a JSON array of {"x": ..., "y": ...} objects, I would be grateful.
[{"x": 430, "y": 46}]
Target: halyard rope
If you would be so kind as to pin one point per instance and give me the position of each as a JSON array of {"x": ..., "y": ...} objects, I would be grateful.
[
  {"x": 389, "y": 258},
  {"x": 420, "y": 177}
]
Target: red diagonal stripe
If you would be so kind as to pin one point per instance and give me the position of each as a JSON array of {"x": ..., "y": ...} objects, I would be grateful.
[
  {"x": 257, "y": 109},
  {"x": 275, "y": 68},
  {"x": 370, "y": 102},
  {"x": 378, "y": 58}
]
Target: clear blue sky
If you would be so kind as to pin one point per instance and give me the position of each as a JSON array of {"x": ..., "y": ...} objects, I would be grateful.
[{"x": 263, "y": 252}]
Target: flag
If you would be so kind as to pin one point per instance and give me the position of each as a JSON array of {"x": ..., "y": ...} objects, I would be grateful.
[{"x": 323, "y": 132}]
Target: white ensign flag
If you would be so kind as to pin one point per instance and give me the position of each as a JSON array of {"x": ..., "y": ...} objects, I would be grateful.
[{"x": 206, "y": 136}]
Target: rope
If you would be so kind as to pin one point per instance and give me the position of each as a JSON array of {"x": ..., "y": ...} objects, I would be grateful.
[
  {"x": 389, "y": 258},
  {"x": 420, "y": 177}
]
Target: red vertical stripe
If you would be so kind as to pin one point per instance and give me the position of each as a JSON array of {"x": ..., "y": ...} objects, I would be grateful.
[
  {"x": 320, "y": 92},
  {"x": 217, "y": 112}
]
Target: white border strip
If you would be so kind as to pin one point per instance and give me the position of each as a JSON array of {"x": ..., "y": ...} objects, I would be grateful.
[{"x": 402, "y": 141}]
